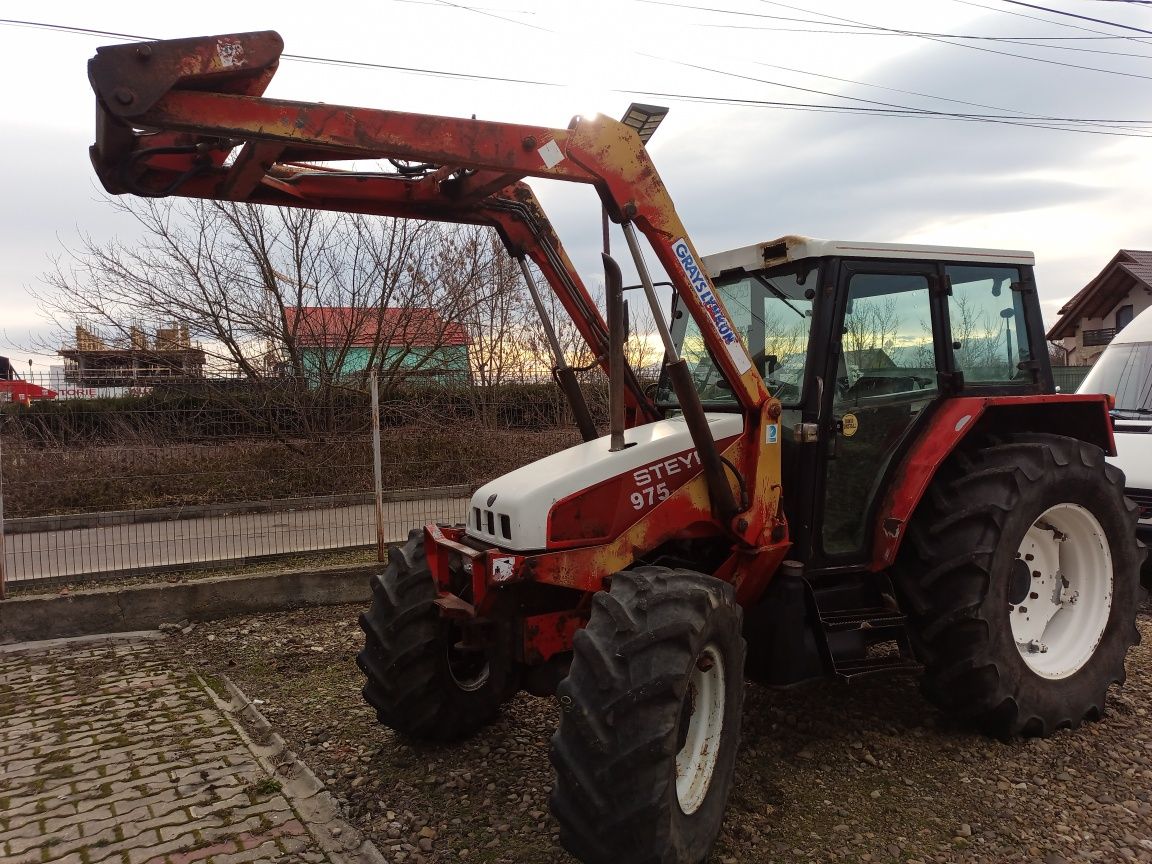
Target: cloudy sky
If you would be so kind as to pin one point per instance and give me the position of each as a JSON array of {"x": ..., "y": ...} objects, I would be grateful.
[{"x": 741, "y": 170}]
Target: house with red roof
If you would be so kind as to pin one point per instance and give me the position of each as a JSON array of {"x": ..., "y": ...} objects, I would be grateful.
[
  {"x": 1104, "y": 307},
  {"x": 404, "y": 344}
]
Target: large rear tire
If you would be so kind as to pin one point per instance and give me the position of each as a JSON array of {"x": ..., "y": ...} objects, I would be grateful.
[
  {"x": 1022, "y": 572},
  {"x": 650, "y": 722},
  {"x": 421, "y": 680}
]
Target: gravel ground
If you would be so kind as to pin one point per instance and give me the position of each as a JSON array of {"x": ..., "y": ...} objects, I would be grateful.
[{"x": 826, "y": 772}]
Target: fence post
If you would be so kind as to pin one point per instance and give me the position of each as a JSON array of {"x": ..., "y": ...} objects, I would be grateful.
[
  {"x": 377, "y": 467},
  {"x": 3, "y": 586}
]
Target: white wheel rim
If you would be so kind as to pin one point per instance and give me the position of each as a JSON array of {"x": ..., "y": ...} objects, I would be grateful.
[
  {"x": 1066, "y": 563},
  {"x": 696, "y": 761}
]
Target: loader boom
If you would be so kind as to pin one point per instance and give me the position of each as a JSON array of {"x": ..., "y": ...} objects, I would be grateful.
[{"x": 188, "y": 118}]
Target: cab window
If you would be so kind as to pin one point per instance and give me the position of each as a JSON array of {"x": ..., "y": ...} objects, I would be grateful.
[
  {"x": 772, "y": 312},
  {"x": 989, "y": 333}
]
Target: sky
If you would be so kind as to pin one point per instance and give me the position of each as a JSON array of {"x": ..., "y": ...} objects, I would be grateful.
[{"x": 739, "y": 169}]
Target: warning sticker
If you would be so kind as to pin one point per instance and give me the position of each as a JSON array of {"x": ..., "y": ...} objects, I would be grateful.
[
  {"x": 849, "y": 425},
  {"x": 551, "y": 154}
]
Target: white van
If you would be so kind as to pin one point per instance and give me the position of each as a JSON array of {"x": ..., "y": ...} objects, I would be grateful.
[{"x": 1125, "y": 371}]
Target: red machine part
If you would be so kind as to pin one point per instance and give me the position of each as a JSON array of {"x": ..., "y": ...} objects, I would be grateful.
[
  {"x": 1083, "y": 416},
  {"x": 199, "y": 101}
]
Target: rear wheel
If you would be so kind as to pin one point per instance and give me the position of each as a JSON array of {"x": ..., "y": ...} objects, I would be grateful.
[
  {"x": 645, "y": 750},
  {"x": 423, "y": 679},
  {"x": 1021, "y": 569}
]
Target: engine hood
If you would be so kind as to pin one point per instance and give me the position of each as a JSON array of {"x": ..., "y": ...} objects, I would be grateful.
[{"x": 512, "y": 511}]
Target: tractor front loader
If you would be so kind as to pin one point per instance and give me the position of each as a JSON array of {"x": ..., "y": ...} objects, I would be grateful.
[{"x": 855, "y": 461}]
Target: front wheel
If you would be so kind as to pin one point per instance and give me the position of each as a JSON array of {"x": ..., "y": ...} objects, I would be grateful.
[
  {"x": 1021, "y": 568},
  {"x": 423, "y": 679},
  {"x": 650, "y": 722}
]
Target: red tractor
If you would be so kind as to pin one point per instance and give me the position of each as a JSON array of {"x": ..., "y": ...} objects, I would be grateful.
[{"x": 855, "y": 461}]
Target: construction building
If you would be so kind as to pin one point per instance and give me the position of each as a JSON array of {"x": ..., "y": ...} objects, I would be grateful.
[{"x": 143, "y": 361}]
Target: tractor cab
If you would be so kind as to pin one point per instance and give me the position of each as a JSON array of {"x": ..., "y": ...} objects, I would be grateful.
[{"x": 861, "y": 342}]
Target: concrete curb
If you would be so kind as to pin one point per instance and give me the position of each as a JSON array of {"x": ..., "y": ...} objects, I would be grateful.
[
  {"x": 317, "y": 809},
  {"x": 146, "y": 607},
  {"x": 81, "y": 641}
]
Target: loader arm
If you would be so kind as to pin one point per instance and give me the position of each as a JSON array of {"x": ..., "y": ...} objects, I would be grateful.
[{"x": 187, "y": 117}]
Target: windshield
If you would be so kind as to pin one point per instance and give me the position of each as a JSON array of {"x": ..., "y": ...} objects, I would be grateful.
[
  {"x": 772, "y": 312},
  {"x": 1125, "y": 371}
]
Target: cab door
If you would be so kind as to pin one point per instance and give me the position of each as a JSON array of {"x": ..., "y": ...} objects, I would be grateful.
[{"x": 881, "y": 380}]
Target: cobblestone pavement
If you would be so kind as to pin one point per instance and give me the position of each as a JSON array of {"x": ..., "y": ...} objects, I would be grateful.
[{"x": 111, "y": 752}]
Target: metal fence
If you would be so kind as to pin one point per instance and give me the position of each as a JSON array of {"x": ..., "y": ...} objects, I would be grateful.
[
  {"x": 227, "y": 473},
  {"x": 1068, "y": 378}
]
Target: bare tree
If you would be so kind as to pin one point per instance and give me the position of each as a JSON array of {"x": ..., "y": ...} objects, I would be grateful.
[
  {"x": 502, "y": 329},
  {"x": 870, "y": 332},
  {"x": 323, "y": 297}
]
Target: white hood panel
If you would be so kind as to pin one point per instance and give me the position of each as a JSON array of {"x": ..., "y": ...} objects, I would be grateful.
[{"x": 525, "y": 496}]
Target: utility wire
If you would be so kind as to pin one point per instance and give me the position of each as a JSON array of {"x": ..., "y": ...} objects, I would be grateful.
[
  {"x": 1050, "y": 22},
  {"x": 303, "y": 58},
  {"x": 844, "y": 80},
  {"x": 479, "y": 11},
  {"x": 1023, "y": 115},
  {"x": 970, "y": 47},
  {"x": 1074, "y": 15},
  {"x": 849, "y": 27},
  {"x": 1025, "y": 41},
  {"x": 819, "y": 108},
  {"x": 865, "y": 29},
  {"x": 872, "y": 102},
  {"x": 875, "y": 107}
]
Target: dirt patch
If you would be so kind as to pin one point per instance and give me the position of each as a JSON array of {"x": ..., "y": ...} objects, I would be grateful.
[{"x": 860, "y": 772}]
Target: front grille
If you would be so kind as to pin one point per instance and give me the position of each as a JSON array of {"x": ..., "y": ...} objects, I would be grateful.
[{"x": 486, "y": 522}]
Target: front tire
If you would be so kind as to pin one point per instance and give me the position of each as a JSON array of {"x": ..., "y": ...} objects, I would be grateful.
[
  {"x": 1021, "y": 569},
  {"x": 422, "y": 681},
  {"x": 646, "y": 746}
]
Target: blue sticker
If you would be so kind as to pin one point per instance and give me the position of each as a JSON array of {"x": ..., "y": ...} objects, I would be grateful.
[{"x": 773, "y": 433}]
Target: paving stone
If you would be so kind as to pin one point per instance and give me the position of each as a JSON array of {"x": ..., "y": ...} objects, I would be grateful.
[{"x": 111, "y": 753}]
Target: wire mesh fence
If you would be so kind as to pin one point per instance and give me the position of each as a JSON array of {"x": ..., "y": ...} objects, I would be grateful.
[{"x": 204, "y": 473}]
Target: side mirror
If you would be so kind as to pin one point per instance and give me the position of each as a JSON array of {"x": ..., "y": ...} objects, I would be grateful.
[{"x": 773, "y": 362}]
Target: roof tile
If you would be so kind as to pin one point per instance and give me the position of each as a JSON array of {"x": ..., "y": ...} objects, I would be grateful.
[{"x": 336, "y": 326}]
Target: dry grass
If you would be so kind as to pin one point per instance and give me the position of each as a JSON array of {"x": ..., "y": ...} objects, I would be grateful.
[{"x": 43, "y": 481}]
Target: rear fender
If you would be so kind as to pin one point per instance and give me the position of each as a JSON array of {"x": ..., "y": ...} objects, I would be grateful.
[{"x": 1081, "y": 416}]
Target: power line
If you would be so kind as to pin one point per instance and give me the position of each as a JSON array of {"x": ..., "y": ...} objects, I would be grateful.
[
  {"x": 999, "y": 118},
  {"x": 849, "y": 28},
  {"x": 1074, "y": 15},
  {"x": 480, "y": 11},
  {"x": 303, "y": 58},
  {"x": 1029, "y": 41},
  {"x": 874, "y": 107},
  {"x": 876, "y": 112},
  {"x": 970, "y": 47},
  {"x": 865, "y": 29},
  {"x": 1050, "y": 22},
  {"x": 1023, "y": 115}
]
